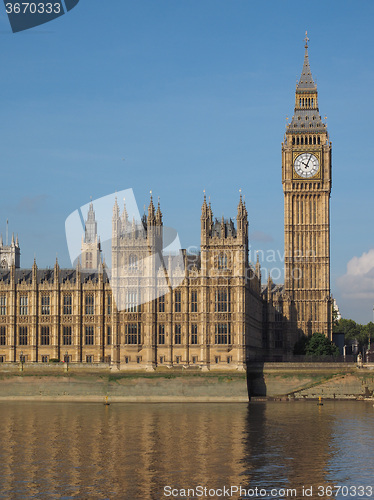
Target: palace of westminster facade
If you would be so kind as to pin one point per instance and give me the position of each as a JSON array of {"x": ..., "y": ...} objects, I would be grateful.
[{"x": 219, "y": 315}]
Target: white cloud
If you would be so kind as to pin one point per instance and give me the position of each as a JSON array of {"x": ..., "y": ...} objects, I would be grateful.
[{"x": 358, "y": 282}]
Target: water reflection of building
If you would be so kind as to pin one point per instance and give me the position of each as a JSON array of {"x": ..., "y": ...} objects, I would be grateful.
[
  {"x": 288, "y": 445},
  {"x": 132, "y": 451},
  {"x": 118, "y": 452}
]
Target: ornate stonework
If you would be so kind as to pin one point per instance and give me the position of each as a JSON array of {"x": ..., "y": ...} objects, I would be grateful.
[{"x": 207, "y": 311}]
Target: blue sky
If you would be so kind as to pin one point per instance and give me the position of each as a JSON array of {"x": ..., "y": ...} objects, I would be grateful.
[{"x": 178, "y": 96}]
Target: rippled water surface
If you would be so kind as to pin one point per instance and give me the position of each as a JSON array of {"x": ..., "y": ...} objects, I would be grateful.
[{"x": 132, "y": 451}]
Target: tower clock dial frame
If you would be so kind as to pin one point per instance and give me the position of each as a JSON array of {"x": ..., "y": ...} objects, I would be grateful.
[{"x": 306, "y": 165}]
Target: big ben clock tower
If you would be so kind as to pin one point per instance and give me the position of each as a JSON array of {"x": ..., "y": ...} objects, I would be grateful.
[{"x": 306, "y": 178}]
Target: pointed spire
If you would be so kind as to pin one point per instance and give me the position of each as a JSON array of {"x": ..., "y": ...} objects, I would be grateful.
[
  {"x": 91, "y": 213},
  {"x": 158, "y": 214},
  {"x": 115, "y": 209},
  {"x": 258, "y": 267},
  {"x": 1, "y": 239},
  {"x": 12, "y": 240},
  {"x": 204, "y": 207},
  {"x": 223, "y": 228},
  {"x": 17, "y": 242},
  {"x": 125, "y": 215},
  {"x": 151, "y": 211},
  {"x": 241, "y": 208},
  {"x": 306, "y": 81},
  {"x": 34, "y": 271},
  {"x": 210, "y": 211},
  {"x": 56, "y": 271}
]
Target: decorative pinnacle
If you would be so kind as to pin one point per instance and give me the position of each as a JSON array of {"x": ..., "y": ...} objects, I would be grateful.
[{"x": 306, "y": 39}]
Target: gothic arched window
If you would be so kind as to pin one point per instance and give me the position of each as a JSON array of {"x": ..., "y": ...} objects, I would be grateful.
[
  {"x": 222, "y": 261},
  {"x": 133, "y": 262}
]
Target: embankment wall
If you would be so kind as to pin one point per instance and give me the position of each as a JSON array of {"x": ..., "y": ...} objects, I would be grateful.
[{"x": 268, "y": 380}]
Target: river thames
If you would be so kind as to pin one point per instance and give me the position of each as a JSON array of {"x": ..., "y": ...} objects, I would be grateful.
[{"x": 158, "y": 451}]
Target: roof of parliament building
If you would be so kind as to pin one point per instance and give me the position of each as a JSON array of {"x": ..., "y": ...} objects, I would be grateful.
[{"x": 48, "y": 276}]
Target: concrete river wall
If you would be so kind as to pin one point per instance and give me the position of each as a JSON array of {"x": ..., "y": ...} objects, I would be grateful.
[{"x": 282, "y": 381}]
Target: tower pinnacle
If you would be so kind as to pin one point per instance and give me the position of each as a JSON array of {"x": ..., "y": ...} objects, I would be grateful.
[
  {"x": 306, "y": 39},
  {"x": 306, "y": 81}
]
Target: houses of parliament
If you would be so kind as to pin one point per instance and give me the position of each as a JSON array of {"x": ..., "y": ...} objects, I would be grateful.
[{"x": 208, "y": 311}]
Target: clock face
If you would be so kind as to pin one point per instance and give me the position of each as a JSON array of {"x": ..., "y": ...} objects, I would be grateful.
[{"x": 306, "y": 165}]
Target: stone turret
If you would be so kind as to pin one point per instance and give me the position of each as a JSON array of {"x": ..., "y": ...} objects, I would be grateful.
[
  {"x": 10, "y": 254},
  {"x": 90, "y": 243}
]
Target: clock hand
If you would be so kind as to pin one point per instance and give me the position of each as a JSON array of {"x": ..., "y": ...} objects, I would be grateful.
[{"x": 309, "y": 160}]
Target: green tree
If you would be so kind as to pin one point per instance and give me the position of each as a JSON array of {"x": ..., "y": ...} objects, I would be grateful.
[
  {"x": 352, "y": 330},
  {"x": 319, "y": 345},
  {"x": 316, "y": 345},
  {"x": 369, "y": 331}
]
